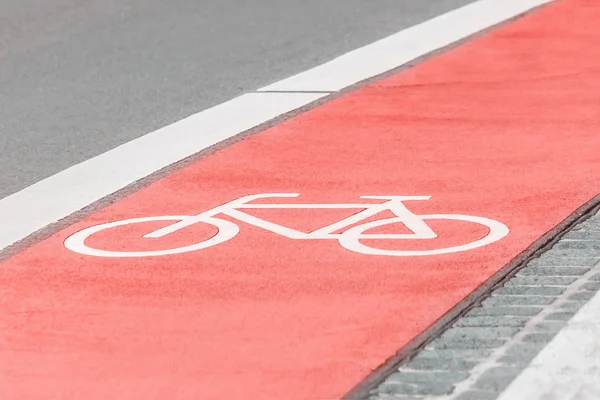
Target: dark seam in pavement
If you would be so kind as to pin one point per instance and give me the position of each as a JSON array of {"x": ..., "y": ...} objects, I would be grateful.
[{"x": 296, "y": 91}]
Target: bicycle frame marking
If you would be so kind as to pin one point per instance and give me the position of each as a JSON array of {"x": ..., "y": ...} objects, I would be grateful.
[
  {"x": 349, "y": 239},
  {"x": 231, "y": 209}
]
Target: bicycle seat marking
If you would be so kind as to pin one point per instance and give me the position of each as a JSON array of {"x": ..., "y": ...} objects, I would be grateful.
[{"x": 351, "y": 239}]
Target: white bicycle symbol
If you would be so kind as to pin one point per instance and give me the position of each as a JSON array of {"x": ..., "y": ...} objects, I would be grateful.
[{"x": 349, "y": 239}]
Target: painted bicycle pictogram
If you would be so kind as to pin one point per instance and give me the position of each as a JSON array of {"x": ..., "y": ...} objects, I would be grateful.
[{"x": 351, "y": 239}]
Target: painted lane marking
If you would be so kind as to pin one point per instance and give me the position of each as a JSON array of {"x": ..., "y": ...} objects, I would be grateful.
[
  {"x": 349, "y": 239},
  {"x": 54, "y": 198},
  {"x": 60, "y": 195},
  {"x": 401, "y": 48}
]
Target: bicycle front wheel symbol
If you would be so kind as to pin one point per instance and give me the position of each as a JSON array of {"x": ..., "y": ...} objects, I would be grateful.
[{"x": 351, "y": 239}]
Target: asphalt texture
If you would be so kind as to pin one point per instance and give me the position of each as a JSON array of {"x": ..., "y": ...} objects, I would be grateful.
[{"x": 78, "y": 78}]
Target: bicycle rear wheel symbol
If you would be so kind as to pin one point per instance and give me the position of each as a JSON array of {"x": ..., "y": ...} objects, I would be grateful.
[{"x": 352, "y": 238}]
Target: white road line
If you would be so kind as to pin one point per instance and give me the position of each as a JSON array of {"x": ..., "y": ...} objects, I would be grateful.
[
  {"x": 568, "y": 368},
  {"x": 60, "y": 195},
  {"x": 404, "y": 46}
]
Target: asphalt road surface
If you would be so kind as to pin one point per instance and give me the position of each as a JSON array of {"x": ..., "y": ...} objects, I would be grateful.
[
  {"x": 439, "y": 218},
  {"x": 79, "y": 77}
]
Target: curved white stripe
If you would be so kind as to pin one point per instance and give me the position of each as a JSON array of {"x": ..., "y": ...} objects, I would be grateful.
[{"x": 54, "y": 198}]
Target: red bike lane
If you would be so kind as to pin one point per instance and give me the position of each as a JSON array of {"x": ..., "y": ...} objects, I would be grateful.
[{"x": 504, "y": 127}]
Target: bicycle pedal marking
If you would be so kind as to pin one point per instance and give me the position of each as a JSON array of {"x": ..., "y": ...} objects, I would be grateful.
[{"x": 351, "y": 239}]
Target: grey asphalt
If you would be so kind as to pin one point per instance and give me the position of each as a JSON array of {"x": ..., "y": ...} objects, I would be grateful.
[{"x": 79, "y": 77}]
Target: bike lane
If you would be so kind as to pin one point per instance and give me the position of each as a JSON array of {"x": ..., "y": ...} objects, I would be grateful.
[{"x": 503, "y": 127}]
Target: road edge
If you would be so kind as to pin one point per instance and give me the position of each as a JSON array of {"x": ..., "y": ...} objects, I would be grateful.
[{"x": 362, "y": 390}]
